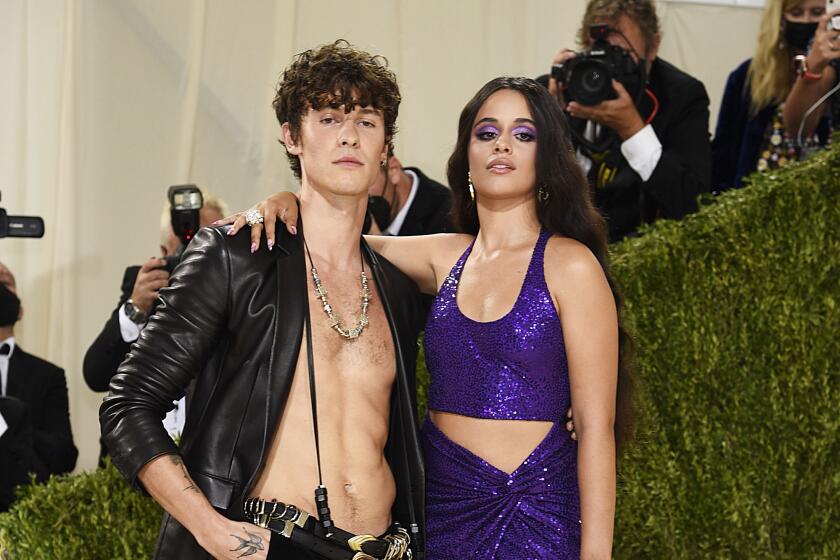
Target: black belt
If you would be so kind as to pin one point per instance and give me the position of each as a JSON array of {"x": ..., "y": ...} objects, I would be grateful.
[{"x": 335, "y": 544}]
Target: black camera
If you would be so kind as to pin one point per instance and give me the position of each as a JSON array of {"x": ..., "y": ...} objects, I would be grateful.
[
  {"x": 185, "y": 203},
  {"x": 20, "y": 226},
  {"x": 588, "y": 76}
]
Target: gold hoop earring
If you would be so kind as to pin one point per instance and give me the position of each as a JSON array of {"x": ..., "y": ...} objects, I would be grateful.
[
  {"x": 470, "y": 186},
  {"x": 542, "y": 194}
]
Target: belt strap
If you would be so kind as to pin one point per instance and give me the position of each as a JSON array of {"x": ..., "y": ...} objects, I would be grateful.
[{"x": 297, "y": 525}]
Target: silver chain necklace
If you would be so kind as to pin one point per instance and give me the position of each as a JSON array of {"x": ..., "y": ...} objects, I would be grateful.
[{"x": 321, "y": 293}]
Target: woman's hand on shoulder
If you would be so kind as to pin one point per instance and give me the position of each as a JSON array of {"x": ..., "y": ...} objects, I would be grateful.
[{"x": 281, "y": 206}]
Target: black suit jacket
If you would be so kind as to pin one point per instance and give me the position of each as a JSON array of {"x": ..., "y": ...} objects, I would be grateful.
[
  {"x": 684, "y": 170},
  {"x": 431, "y": 209},
  {"x": 232, "y": 322},
  {"x": 681, "y": 122},
  {"x": 108, "y": 351},
  {"x": 39, "y": 439}
]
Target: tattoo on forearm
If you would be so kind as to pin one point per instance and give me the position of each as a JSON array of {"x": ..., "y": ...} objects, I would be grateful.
[
  {"x": 249, "y": 546},
  {"x": 176, "y": 460}
]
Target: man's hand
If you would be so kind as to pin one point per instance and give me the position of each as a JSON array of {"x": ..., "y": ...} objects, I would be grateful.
[
  {"x": 570, "y": 425},
  {"x": 555, "y": 88},
  {"x": 282, "y": 206},
  {"x": 619, "y": 114},
  {"x": 226, "y": 539},
  {"x": 151, "y": 278}
]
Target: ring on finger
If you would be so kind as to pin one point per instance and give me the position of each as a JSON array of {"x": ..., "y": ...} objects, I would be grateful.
[{"x": 254, "y": 217}]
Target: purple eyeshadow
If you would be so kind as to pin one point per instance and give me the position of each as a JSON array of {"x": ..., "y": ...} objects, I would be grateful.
[
  {"x": 525, "y": 129},
  {"x": 487, "y": 128}
]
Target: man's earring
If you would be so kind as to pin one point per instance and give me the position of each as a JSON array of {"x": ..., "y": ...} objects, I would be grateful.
[
  {"x": 542, "y": 194},
  {"x": 470, "y": 186}
]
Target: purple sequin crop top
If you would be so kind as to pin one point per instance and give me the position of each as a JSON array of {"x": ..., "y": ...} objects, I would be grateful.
[{"x": 513, "y": 368}]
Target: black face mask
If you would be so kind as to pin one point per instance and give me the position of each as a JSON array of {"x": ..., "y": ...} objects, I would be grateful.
[
  {"x": 9, "y": 307},
  {"x": 799, "y": 35}
]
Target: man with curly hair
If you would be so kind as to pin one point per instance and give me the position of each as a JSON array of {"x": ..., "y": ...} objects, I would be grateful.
[{"x": 301, "y": 356}]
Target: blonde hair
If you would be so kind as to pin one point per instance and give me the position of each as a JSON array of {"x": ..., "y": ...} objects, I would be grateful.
[
  {"x": 211, "y": 201},
  {"x": 769, "y": 72}
]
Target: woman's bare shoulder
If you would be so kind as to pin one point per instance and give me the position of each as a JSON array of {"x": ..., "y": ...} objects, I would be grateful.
[{"x": 570, "y": 266}]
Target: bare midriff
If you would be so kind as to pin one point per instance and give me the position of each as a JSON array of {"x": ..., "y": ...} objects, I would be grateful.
[
  {"x": 353, "y": 381},
  {"x": 505, "y": 444}
]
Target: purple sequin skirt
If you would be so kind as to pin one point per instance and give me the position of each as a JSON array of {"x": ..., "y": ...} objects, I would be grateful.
[{"x": 478, "y": 512}]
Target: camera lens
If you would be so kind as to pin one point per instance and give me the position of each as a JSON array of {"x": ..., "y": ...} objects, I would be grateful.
[{"x": 591, "y": 82}]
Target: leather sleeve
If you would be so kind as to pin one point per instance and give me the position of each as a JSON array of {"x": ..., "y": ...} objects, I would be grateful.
[
  {"x": 172, "y": 349},
  {"x": 684, "y": 169},
  {"x": 108, "y": 351}
]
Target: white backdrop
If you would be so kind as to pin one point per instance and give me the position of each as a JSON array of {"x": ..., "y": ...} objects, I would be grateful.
[{"x": 107, "y": 102}]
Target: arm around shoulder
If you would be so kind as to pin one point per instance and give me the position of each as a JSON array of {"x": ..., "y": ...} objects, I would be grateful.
[{"x": 423, "y": 258}]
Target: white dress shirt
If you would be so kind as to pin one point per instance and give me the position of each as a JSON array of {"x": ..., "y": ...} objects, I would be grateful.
[
  {"x": 399, "y": 219},
  {"x": 642, "y": 150}
]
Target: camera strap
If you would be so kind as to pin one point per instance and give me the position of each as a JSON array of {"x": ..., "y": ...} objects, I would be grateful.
[{"x": 322, "y": 505}]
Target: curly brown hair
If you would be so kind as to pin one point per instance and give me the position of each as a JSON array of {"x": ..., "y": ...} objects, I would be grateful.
[
  {"x": 336, "y": 75},
  {"x": 643, "y": 12}
]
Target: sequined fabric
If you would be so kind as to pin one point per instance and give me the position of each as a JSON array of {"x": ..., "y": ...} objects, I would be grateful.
[
  {"x": 510, "y": 369},
  {"x": 513, "y": 368},
  {"x": 475, "y": 511}
]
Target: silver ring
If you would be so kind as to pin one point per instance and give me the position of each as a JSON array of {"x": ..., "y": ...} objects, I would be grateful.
[{"x": 253, "y": 217}]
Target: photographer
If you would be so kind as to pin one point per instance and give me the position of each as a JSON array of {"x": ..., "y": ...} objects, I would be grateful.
[
  {"x": 138, "y": 298},
  {"x": 646, "y": 147}
]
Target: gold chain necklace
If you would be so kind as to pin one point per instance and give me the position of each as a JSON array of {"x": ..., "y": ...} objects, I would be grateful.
[{"x": 321, "y": 293}]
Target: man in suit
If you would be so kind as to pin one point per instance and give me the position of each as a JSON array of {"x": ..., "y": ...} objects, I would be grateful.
[
  {"x": 231, "y": 323},
  {"x": 35, "y": 434},
  {"x": 138, "y": 297},
  {"x": 404, "y": 201},
  {"x": 660, "y": 159}
]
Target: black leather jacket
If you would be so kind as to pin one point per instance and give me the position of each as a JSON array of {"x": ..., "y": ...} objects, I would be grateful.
[{"x": 231, "y": 322}]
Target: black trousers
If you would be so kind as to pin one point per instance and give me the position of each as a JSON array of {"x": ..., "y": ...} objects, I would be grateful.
[{"x": 281, "y": 548}]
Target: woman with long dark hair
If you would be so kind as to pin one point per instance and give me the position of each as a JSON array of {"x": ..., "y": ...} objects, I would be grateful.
[{"x": 524, "y": 325}]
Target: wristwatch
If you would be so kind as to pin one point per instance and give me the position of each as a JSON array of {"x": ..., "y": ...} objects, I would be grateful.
[
  {"x": 802, "y": 69},
  {"x": 134, "y": 313}
]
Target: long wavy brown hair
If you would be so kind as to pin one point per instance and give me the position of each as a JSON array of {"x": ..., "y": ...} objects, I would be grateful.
[{"x": 568, "y": 210}]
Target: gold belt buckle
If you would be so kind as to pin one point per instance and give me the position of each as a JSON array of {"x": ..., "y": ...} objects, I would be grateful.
[{"x": 355, "y": 543}]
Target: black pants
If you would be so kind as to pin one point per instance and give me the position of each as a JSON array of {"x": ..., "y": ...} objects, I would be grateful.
[{"x": 281, "y": 548}]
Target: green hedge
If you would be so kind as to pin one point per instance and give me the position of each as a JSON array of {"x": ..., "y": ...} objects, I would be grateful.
[
  {"x": 735, "y": 315},
  {"x": 87, "y": 516}
]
